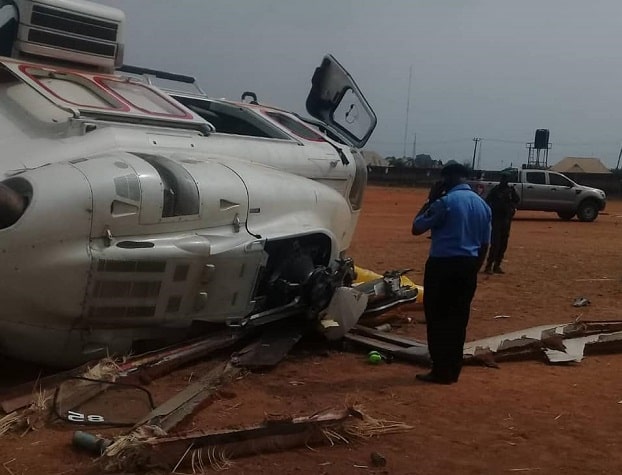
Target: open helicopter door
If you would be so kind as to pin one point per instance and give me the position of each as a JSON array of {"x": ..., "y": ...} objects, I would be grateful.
[{"x": 336, "y": 100}]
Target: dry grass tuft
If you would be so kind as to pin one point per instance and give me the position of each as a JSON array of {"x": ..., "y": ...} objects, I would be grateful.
[{"x": 364, "y": 426}]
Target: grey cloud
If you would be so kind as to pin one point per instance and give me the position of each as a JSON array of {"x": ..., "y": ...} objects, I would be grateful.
[{"x": 487, "y": 68}]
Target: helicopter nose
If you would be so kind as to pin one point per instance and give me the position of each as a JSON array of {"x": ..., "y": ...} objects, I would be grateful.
[{"x": 12, "y": 206}]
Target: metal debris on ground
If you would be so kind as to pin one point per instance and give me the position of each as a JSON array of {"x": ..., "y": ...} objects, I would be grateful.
[
  {"x": 28, "y": 406},
  {"x": 272, "y": 346},
  {"x": 101, "y": 402},
  {"x": 556, "y": 343},
  {"x": 218, "y": 448},
  {"x": 396, "y": 346},
  {"x": 581, "y": 302},
  {"x": 167, "y": 415},
  {"x": 151, "y": 365},
  {"x": 561, "y": 343}
]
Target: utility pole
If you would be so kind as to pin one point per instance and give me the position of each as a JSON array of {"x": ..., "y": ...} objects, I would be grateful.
[
  {"x": 410, "y": 80},
  {"x": 415, "y": 147},
  {"x": 619, "y": 157},
  {"x": 479, "y": 155},
  {"x": 476, "y": 140}
]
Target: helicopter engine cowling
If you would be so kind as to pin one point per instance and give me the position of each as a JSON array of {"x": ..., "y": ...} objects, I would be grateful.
[{"x": 125, "y": 248}]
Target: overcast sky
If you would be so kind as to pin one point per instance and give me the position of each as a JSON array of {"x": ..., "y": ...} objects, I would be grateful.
[{"x": 481, "y": 68}]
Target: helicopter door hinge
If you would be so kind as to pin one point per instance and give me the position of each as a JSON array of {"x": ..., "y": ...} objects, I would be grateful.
[
  {"x": 236, "y": 223},
  {"x": 107, "y": 237}
]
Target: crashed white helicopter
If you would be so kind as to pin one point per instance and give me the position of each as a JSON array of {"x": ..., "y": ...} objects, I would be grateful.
[{"x": 129, "y": 213}]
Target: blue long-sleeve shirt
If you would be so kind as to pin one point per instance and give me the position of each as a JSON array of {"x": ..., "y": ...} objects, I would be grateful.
[{"x": 460, "y": 223}]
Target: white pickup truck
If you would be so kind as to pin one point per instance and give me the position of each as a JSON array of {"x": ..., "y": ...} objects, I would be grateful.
[{"x": 542, "y": 190}]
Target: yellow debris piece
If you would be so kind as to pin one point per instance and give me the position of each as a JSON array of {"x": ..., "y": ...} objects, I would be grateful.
[{"x": 365, "y": 275}]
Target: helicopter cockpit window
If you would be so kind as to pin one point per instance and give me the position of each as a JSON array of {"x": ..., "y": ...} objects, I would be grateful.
[
  {"x": 142, "y": 97},
  {"x": 74, "y": 89},
  {"x": 351, "y": 115},
  {"x": 232, "y": 119},
  {"x": 294, "y": 126},
  {"x": 20, "y": 103},
  {"x": 181, "y": 195}
]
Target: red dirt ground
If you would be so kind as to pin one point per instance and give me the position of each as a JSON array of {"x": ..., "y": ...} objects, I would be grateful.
[{"x": 526, "y": 417}]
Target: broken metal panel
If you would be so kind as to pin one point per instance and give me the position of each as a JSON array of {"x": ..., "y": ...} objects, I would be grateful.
[
  {"x": 97, "y": 402},
  {"x": 201, "y": 448},
  {"x": 18, "y": 397},
  {"x": 397, "y": 346},
  {"x": 160, "y": 362},
  {"x": 373, "y": 343},
  {"x": 510, "y": 340},
  {"x": 134, "y": 452},
  {"x": 152, "y": 364},
  {"x": 272, "y": 346},
  {"x": 344, "y": 310},
  {"x": 576, "y": 348},
  {"x": 170, "y": 413},
  {"x": 573, "y": 351},
  {"x": 388, "y": 337},
  {"x": 561, "y": 343}
]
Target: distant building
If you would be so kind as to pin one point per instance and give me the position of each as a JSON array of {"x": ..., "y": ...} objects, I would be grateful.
[
  {"x": 374, "y": 159},
  {"x": 580, "y": 165}
]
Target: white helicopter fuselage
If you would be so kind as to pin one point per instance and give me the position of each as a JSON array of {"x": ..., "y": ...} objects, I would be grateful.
[
  {"x": 99, "y": 260},
  {"x": 129, "y": 214}
]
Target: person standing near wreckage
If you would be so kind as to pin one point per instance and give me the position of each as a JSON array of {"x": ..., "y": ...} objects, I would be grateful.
[
  {"x": 502, "y": 200},
  {"x": 460, "y": 221}
]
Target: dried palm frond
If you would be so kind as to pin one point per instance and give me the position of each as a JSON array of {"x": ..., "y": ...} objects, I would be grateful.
[
  {"x": 364, "y": 426},
  {"x": 126, "y": 452},
  {"x": 106, "y": 369},
  {"x": 29, "y": 419},
  {"x": 216, "y": 459},
  {"x": 9, "y": 423},
  {"x": 134, "y": 438},
  {"x": 333, "y": 436}
]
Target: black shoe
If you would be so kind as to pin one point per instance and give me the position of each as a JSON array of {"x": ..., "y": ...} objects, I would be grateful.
[
  {"x": 498, "y": 270},
  {"x": 488, "y": 270},
  {"x": 431, "y": 377}
]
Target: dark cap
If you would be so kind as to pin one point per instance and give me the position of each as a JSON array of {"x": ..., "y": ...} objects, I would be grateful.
[{"x": 455, "y": 170}]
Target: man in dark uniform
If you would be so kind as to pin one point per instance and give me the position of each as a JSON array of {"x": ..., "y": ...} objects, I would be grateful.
[
  {"x": 502, "y": 200},
  {"x": 460, "y": 222}
]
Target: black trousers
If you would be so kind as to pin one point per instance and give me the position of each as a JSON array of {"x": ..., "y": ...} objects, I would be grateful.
[
  {"x": 499, "y": 240},
  {"x": 449, "y": 284}
]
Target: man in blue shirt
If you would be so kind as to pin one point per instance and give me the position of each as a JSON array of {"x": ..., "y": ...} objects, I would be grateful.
[{"x": 460, "y": 222}]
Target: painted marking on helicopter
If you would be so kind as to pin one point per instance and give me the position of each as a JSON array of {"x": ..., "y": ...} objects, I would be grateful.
[{"x": 79, "y": 417}]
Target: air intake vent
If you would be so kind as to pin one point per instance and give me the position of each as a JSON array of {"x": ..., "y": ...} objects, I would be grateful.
[
  {"x": 69, "y": 43},
  {"x": 69, "y": 30},
  {"x": 54, "y": 19}
]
